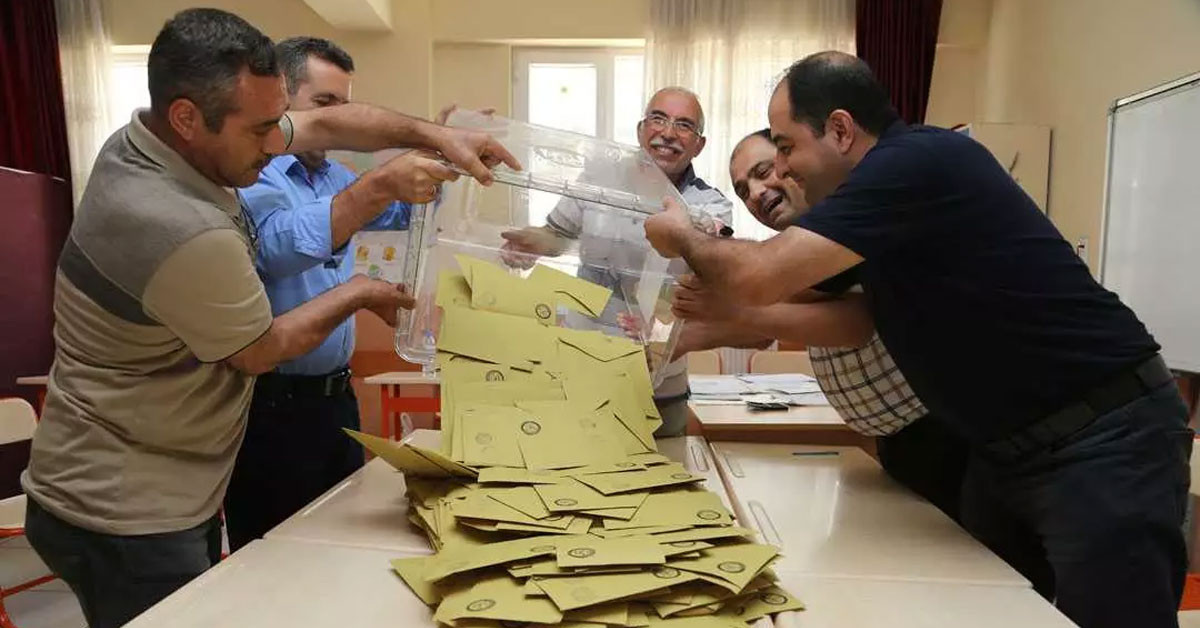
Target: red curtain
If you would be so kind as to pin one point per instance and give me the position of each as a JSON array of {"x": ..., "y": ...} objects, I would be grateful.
[
  {"x": 898, "y": 38},
  {"x": 33, "y": 128}
]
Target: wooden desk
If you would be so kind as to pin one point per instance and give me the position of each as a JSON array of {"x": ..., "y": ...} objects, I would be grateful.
[
  {"x": 840, "y": 516},
  {"x": 842, "y": 602},
  {"x": 284, "y": 584},
  {"x": 423, "y": 398},
  {"x": 818, "y": 425}
]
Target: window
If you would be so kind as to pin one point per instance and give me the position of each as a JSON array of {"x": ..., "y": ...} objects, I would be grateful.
[
  {"x": 593, "y": 91},
  {"x": 129, "y": 89}
]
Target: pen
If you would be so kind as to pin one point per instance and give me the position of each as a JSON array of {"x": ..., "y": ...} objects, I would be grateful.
[{"x": 814, "y": 453}]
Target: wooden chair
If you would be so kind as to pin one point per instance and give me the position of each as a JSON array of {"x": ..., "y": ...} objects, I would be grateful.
[
  {"x": 17, "y": 422},
  {"x": 781, "y": 362},
  {"x": 704, "y": 363}
]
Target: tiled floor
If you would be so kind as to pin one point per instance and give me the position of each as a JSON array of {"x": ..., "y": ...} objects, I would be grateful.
[{"x": 51, "y": 605}]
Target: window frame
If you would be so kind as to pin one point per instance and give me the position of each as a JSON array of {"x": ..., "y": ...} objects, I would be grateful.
[{"x": 603, "y": 58}]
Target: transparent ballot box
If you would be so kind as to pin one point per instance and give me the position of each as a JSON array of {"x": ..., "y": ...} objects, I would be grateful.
[{"x": 560, "y": 242}]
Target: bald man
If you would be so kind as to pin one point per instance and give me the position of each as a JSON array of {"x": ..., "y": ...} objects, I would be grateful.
[{"x": 672, "y": 132}]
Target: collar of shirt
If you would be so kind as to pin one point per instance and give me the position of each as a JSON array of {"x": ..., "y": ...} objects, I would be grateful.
[
  {"x": 175, "y": 165},
  {"x": 290, "y": 164},
  {"x": 688, "y": 179}
]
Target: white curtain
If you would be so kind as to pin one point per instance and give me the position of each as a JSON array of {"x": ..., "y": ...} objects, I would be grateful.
[
  {"x": 84, "y": 48},
  {"x": 732, "y": 53}
]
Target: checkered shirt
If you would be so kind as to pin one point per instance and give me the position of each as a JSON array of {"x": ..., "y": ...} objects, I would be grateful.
[{"x": 866, "y": 388}]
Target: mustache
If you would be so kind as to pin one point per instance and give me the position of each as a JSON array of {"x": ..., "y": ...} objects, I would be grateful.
[{"x": 660, "y": 142}]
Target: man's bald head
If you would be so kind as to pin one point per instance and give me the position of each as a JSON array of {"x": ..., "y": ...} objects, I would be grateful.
[
  {"x": 681, "y": 92},
  {"x": 672, "y": 131}
]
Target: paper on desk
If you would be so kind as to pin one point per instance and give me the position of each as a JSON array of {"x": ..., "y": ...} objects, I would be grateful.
[
  {"x": 572, "y": 495},
  {"x": 572, "y": 593},
  {"x": 590, "y": 551},
  {"x": 627, "y": 481},
  {"x": 736, "y": 564},
  {"x": 691, "y": 508},
  {"x": 761, "y": 603},
  {"x": 786, "y": 383},
  {"x": 718, "y": 385},
  {"x": 412, "y": 459},
  {"x": 499, "y": 597}
]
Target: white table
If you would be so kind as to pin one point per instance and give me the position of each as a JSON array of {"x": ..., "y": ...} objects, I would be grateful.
[
  {"x": 367, "y": 509},
  {"x": 839, "y": 515},
  {"x": 694, "y": 453},
  {"x": 859, "y": 602},
  {"x": 272, "y": 583}
]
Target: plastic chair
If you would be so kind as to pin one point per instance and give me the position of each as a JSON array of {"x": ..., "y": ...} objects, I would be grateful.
[
  {"x": 17, "y": 422},
  {"x": 704, "y": 362},
  {"x": 781, "y": 362}
]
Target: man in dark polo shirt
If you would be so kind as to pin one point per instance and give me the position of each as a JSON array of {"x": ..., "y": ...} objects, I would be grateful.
[{"x": 1079, "y": 470}]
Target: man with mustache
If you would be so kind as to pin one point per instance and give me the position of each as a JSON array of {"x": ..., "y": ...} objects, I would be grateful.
[
  {"x": 851, "y": 364},
  {"x": 672, "y": 132},
  {"x": 162, "y": 323}
]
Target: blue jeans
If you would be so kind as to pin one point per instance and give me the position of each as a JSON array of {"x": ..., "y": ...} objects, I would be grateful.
[{"x": 1095, "y": 521}]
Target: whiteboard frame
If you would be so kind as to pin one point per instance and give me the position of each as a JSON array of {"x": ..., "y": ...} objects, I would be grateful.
[{"x": 1113, "y": 109}]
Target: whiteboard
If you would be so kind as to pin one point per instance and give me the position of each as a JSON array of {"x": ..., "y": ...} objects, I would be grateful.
[{"x": 1151, "y": 248}]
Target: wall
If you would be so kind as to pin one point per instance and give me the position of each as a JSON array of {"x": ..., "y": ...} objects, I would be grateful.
[
  {"x": 1062, "y": 63},
  {"x": 494, "y": 20},
  {"x": 473, "y": 76},
  {"x": 958, "y": 63},
  {"x": 393, "y": 68}
]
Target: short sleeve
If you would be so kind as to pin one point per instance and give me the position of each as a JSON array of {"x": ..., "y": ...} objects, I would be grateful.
[
  {"x": 566, "y": 219},
  {"x": 209, "y": 295},
  {"x": 893, "y": 199}
]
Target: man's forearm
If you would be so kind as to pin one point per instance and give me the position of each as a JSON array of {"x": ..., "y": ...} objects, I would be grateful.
[
  {"x": 762, "y": 273},
  {"x": 300, "y": 330},
  {"x": 359, "y": 127},
  {"x": 834, "y": 323},
  {"x": 354, "y": 207}
]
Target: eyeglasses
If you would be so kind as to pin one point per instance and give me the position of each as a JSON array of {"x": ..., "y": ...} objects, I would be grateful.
[{"x": 659, "y": 122}]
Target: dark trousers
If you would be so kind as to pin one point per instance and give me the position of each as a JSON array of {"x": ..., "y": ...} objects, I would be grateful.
[
  {"x": 1095, "y": 522},
  {"x": 929, "y": 459},
  {"x": 294, "y": 451},
  {"x": 116, "y": 578}
]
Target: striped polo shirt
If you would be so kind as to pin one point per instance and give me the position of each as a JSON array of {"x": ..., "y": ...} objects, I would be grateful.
[{"x": 155, "y": 289}]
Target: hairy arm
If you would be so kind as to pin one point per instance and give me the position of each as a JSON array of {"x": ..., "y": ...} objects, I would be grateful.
[{"x": 302, "y": 329}]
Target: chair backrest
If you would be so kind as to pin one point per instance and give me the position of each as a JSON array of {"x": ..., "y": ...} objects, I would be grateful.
[
  {"x": 17, "y": 420},
  {"x": 781, "y": 362},
  {"x": 704, "y": 362}
]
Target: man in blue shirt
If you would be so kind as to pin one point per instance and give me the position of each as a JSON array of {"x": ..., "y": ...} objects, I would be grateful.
[
  {"x": 294, "y": 449},
  {"x": 1079, "y": 442}
]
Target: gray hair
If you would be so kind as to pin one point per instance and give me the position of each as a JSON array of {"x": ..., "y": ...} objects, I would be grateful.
[{"x": 686, "y": 92}]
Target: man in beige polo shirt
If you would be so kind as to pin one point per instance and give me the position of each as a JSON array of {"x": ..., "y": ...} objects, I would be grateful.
[{"x": 162, "y": 322}]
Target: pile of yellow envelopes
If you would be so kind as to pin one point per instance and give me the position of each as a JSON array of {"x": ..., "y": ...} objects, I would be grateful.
[{"x": 548, "y": 502}]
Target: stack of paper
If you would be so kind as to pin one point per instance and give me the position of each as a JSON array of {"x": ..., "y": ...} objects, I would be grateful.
[
  {"x": 794, "y": 389},
  {"x": 548, "y": 502}
]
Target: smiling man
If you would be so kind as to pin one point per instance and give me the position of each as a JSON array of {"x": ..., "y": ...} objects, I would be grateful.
[
  {"x": 672, "y": 132},
  {"x": 850, "y": 361},
  {"x": 1079, "y": 441}
]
